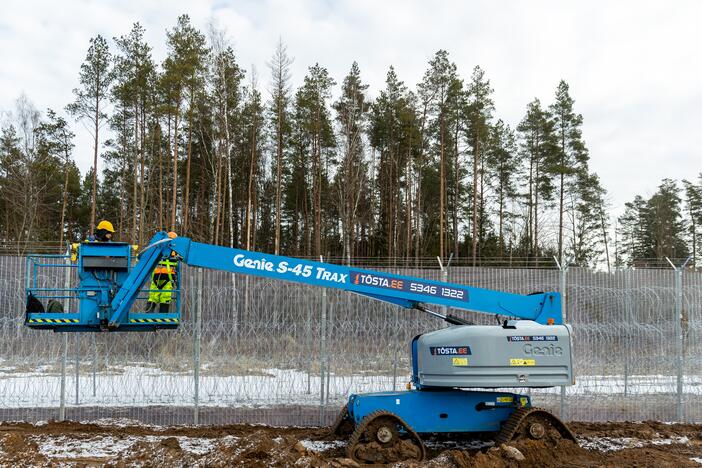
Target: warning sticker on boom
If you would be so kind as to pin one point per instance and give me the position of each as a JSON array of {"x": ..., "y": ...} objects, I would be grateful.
[
  {"x": 522, "y": 362},
  {"x": 459, "y": 361}
]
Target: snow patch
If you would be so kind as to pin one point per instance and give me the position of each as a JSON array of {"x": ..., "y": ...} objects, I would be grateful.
[
  {"x": 697, "y": 460},
  {"x": 197, "y": 446},
  {"x": 610, "y": 444},
  {"x": 458, "y": 445},
  {"x": 121, "y": 423},
  {"x": 64, "y": 447},
  {"x": 322, "y": 445},
  {"x": 91, "y": 447}
]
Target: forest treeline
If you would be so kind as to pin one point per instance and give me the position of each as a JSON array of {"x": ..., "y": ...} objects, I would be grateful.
[{"x": 198, "y": 145}]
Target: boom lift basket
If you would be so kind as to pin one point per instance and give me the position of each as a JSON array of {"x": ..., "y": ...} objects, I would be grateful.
[{"x": 100, "y": 270}]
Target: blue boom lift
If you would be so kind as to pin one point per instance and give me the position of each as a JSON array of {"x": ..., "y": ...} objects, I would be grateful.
[{"x": 532, "y": 349}]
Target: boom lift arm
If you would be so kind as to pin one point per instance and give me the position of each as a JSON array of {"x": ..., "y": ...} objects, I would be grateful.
[{"x": 407, "y": 292}]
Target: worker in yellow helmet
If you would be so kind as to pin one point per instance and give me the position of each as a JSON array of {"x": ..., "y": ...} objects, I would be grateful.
[
  {"x": 163, "y": 281},
  {"x": 104, "y": 232}
]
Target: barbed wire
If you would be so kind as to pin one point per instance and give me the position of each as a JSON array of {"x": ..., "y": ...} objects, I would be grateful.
[{"x": 263, "y": 358}]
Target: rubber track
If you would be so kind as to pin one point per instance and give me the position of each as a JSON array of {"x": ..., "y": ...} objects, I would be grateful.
[
  {"x": 360, "y": 429},
  {"x": 339, "y": 419},
  {"x": 520, "y": 414}
]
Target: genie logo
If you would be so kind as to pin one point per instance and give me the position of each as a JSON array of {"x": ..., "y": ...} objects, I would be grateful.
[
  {"x": 543, "y": 350},
  {"x": 261, "y": 264}
]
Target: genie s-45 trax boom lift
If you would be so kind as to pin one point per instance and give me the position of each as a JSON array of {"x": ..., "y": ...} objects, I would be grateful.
[{"x": 456, "y": 371}]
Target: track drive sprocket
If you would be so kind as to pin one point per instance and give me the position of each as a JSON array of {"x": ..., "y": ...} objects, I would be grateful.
[
  {"x": 384, "y": 437},
  {"x": 533, "y": 423}
]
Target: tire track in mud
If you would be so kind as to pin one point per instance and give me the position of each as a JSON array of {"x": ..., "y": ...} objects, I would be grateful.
[{"x": 25, "y": 444}]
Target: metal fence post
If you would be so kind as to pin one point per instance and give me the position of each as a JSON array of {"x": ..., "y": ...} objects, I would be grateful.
[
  {"x": 322, "y": 352},
  {"x": 308, "y": 340},
  {"x": 196, "y": 347},
  {"x": 444, "y": 277},
  {"x": 679, "y": 337},
  {"x": 64, "y": 361},
  {"x": 395, "y": 348},
  {"x": 679, "y": 343},
  {"x": 77, "y": 346},
  {"x": 630, "y": 323},
  {"x": 564, "y": 307},
  {"x": 64, "y": 338},
  {"x": 92, "y": 336},
  {"x": 330, "y": 324}
]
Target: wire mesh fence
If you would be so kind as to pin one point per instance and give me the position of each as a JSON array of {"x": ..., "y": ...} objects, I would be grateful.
[{"x": 272, "y": 352}]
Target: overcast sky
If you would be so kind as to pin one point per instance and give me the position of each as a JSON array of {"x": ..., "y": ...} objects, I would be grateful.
[{"x": 634, "y": 68}]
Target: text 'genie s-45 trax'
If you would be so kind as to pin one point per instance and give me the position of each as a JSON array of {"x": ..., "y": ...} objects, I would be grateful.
[{"x": 531, "y": 349}]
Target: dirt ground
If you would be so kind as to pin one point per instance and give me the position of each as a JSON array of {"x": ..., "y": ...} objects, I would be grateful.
[{"x": 123, "y": 443}]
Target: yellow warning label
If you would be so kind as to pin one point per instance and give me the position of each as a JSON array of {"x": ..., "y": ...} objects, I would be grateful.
[
  {"x": 523, "y": 401},
  {"x": 460, "y": 361},
  {"x": 505, "y": 399},
  {"x": 522, "y": 362}
]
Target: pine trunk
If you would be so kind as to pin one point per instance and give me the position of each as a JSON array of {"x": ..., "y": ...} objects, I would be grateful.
[
  {"x": 218, "y": 193},
  {"x": 278, "y": 176},
  {"x": 476, "y": 159},
  {"x": 64, "y": 202},
  {"x": 250, "y": 194},
  {"x": 93, "y": 201},
  {"x": 456, "y": 189},
  {"x": 186, "y": 196},
  {"x": 408, "y": 210},
  {"x": 560, "y": 222},
  {"x": 174, "y": 195},
  {"x": 442, "y": 187},
  {"x": 135, "y": 180}
]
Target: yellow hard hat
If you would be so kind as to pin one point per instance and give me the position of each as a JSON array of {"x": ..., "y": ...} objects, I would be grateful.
[{"x": 106, "y": 225}]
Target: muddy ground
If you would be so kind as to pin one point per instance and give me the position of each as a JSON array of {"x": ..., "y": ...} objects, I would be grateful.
[{"x": 120, "y": 443}]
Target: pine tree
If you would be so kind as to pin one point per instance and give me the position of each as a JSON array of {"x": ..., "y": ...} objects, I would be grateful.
[
  {"x": 394, "y": 136},
  {"x": 589, "y": 223},
  {"x": 654, "y": 228},
  {"x": 188, "y": 54},
  {"x": 280, "y": 120},
  {"x": 95, "y": 78},
  {"x": 55, "y": 140},
  {"x": 12, "y": 172},
  {"x": 132, "y": 93},
  {"x": 440, "y": 89},
  {"x": 351, "y": 177},
  {"x": 503, "y": 164},
  {"x": 183, "y": 68},
  {"x": 538, "y": 148},
  {"x": 693, "y": 200},
  {"x": 665, "y": 221},
  {"x": 478, "y": 114},
  {"x": 251, "y": 138},
  {"x": 571, "y": 154},
  {"x": 316, "y": 139},
  {"x": 633, "y": 229}
]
